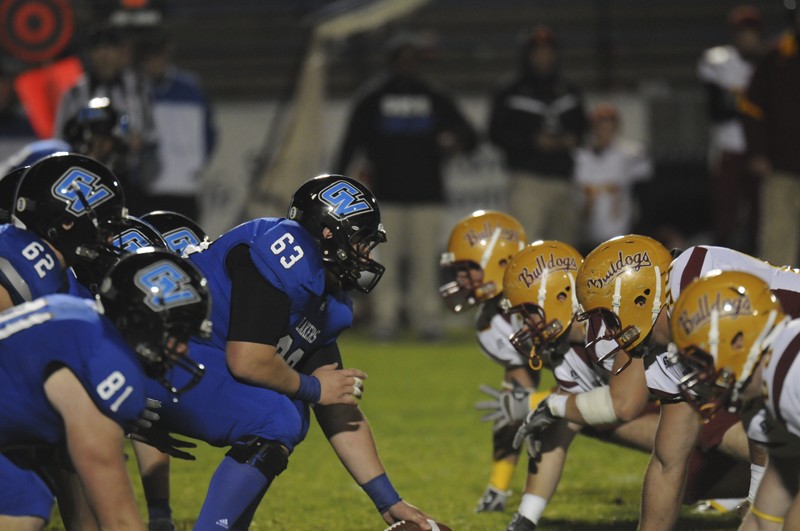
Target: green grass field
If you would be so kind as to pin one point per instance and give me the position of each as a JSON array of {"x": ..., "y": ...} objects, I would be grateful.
[{"x": 419, "y": 399}]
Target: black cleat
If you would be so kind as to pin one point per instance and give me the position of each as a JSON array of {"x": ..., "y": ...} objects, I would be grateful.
[{"x": 520, "y": 523}]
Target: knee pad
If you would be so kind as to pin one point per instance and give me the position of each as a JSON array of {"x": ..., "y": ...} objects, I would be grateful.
[{"x": 268, "y": 457}]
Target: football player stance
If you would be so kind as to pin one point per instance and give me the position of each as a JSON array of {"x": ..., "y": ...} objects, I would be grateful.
[
  {"x": 70, "y": 221},
  {"x": 739, "y": 349},
  {"x": 540, "y": 297},
  {"x": 72, "y": 375},
  {"x": 622, "y": 286},
  {"x": 479, "y": 248},
  {"x": 280, "y": 301}
]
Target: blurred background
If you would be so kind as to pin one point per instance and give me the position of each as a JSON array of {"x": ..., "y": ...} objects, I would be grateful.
[{"x": 273, "y": 83}]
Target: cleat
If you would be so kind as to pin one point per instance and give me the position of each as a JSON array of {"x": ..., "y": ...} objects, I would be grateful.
[{"x": 520, "y": 523}]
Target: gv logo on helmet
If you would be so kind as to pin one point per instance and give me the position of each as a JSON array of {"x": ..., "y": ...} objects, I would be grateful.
[
  {"x": 82, "y": 190},
  {"x": 165, "y": 286},
  {"x": 178, "y": 239},
  {"x": 131, "y": 239},
  {"x": 345, "y": 200}
]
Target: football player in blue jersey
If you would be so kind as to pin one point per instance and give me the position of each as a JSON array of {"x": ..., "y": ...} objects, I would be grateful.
[
  {"x": 71, "y": 377},
  {"x": 73, "y": 207},
  {"x": 280, "y": 301}
]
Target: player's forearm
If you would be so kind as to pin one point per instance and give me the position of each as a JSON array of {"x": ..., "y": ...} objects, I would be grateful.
[
  {"x": 99, "y": 460},
  {"x": 351, "y": 438},
  {"x": 262, "y": 366}
]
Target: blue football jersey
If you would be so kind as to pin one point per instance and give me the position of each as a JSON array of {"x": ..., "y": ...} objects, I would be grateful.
[
  {"x": 288, "y": 258},
  {"x": 29, "y": 268},
  {"x": 62, "y": 331}
]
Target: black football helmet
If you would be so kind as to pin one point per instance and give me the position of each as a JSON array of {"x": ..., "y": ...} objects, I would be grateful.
[
  {"x": 94, "y": 121},
  {"x": 134, "y": 234},
  {"x": 73, "y": 202},
  {"x": 350, "y": 211},
  {"x": 158, "y": 301},
  {"x": 178, "y": 231},
  {"x": 8, "y": 185}
]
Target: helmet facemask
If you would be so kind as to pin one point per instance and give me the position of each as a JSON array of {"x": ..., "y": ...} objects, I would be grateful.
[
  {"x": 611, "y": 338},
  {"x": 536, "y": 339},
  {"x": 348, "y": 257},
  {"x": 158, "y": 301},
  {"x": 162, "y": 347},
  {"x": 466, "y": 288},
  {"x": 705, "y": 388}
]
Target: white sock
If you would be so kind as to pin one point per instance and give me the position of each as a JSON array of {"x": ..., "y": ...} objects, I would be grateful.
[
  {"x": 756, "y": 473},
  {"x": 532, "y": 507}
]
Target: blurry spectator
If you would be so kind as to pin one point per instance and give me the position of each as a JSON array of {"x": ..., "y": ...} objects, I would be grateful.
[
  {"x": 606, "y": 170},
  {"x": 109, "y": 75},
  {"x": 15, "y": 129},
  {"x": 184, "y": 125},
  {"x": 772, "y": 128},
  {"x": 537, "y": 121},
  {"x": 96, "y": 131},
  {"x": 725, "y": 72},
  {"x": 406, "y": 127}
]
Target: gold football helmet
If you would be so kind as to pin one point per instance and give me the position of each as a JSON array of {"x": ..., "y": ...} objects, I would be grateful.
[
  {"x": 539, "y": 285},
  {"x": 719, "y": 325},
  {"x": 480, "y": 247},
  {"x": 623, "y": 284}
]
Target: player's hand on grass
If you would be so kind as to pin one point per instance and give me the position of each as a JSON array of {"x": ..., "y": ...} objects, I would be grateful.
[
  {"x": 509, "y": 405},
  {"x": 162, "y": 440},
  {"x": 531, "y": 430},
  {"x": 339, "y": 386},
  {"x": 149, "y": 432},
  {"x": 405, "y": 511}
]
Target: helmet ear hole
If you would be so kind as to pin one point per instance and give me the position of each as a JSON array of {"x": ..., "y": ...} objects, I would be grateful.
[{"x": 641, "y": 300}]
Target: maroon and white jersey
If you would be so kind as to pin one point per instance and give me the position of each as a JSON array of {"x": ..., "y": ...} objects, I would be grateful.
[
  {"x": 781, "y": 389},
  {"x": 494, "y": 332},
  {"x": 724, "y": 67},
  {"x": 696, "y": 261},
  {"x": 664, "y": 373},
  {"x": 577, "y": 373}
]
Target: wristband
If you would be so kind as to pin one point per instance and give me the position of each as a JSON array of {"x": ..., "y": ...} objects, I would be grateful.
[
  {"x": 380, "y": 491},
  {"x": 309, "y": 390}
]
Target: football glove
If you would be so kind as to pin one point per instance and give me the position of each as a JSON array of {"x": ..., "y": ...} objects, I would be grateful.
[
  {"x": 147, "y": 431},
  {"x": 532, "y": 427},
  {"x": 508, "y": 405}
]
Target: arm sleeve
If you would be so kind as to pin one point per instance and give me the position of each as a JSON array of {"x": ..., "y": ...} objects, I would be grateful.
[
  {"x": 323, "y": 356},
  {"x": 259, "y": 311},
  {"x": 753, "y": 107},
  {"x": 455, "y": 122},
  {"x": 720, "y": 103},
  {"x": 354, "y": 136},
  {"x": 503, "y": 131}
]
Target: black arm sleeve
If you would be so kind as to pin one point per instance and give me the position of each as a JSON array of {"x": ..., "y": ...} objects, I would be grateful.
[
  {"x": 322, "y": 356},
  {"x": 259, "y": 311}
]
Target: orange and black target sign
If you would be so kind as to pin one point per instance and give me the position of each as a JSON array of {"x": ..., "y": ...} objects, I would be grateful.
[{"x": 35, "y": 30}]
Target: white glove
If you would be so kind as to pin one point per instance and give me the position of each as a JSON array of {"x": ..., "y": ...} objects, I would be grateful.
[{"x": 510, "y": 405}]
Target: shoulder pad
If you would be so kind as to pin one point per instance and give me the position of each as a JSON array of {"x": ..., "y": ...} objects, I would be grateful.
[{"x": 289, "y": 259}]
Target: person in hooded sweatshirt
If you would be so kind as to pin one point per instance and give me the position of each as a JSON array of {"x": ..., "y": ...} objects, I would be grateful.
[{"x": 537, "y": 121}]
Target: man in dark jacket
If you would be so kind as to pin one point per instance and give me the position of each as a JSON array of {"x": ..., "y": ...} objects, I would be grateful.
[
  {"x": 538, "y": 120},
  {"x": 406, "y": 127},
  {"x": 772, "y": 126}
]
